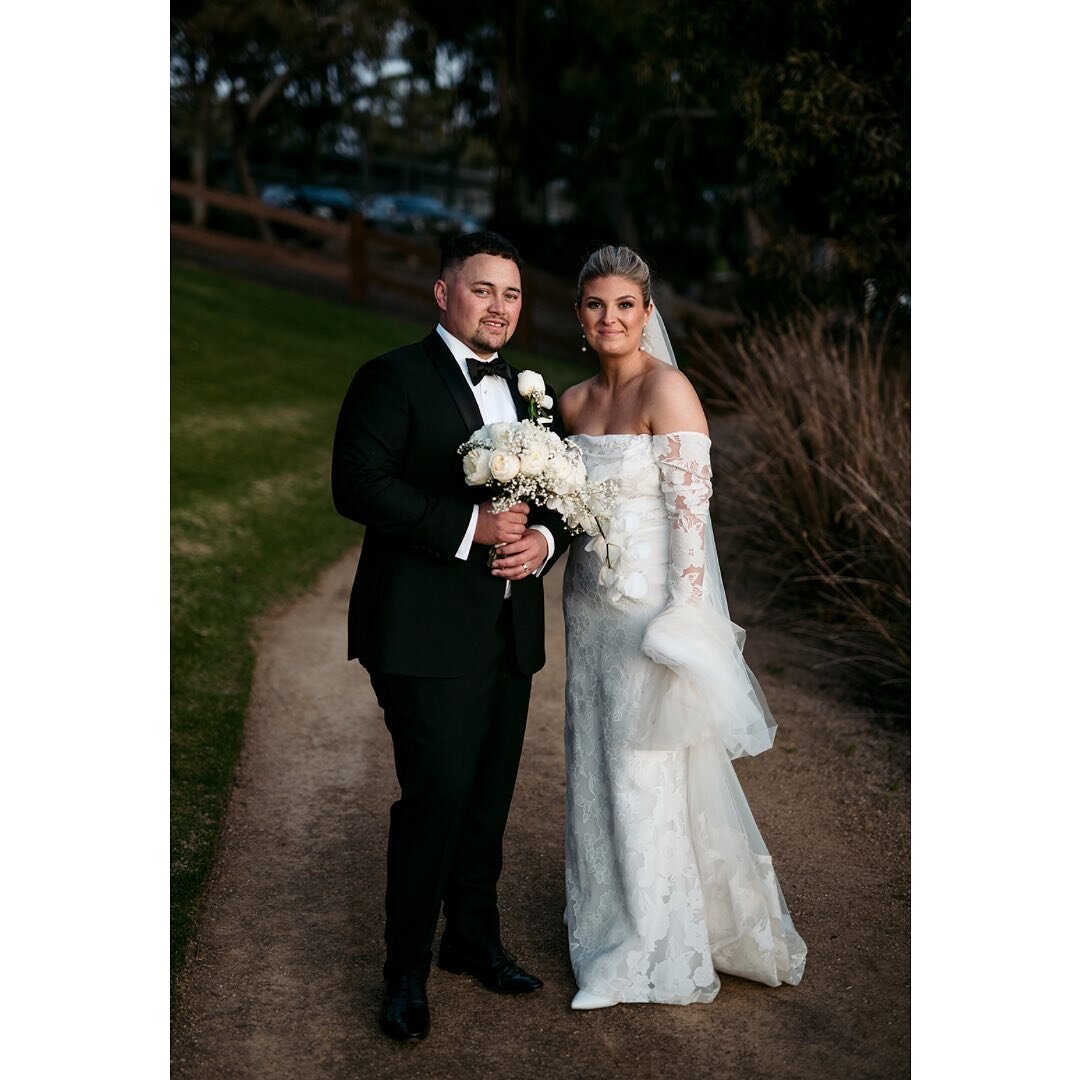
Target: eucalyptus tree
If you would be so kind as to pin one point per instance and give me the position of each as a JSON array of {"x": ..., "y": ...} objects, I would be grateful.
[{"x": 233, "y": 61}]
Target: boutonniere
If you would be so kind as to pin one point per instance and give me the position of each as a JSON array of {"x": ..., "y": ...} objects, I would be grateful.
[{"x": 530, "y": 385}]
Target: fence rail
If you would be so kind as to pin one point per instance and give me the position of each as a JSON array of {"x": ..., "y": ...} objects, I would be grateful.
[{"x": 371, "y": 266}]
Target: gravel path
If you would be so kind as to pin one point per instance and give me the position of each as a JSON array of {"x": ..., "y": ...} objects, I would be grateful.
[{"x": 286, "y": 979}]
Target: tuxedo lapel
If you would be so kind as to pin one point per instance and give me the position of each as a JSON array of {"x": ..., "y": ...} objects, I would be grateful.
[
  {"x": 448, "y": 369},
  {"x": 521, "y": 406}
]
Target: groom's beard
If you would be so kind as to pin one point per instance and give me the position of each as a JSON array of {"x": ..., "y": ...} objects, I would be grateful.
[{"x": 490, "y": 340}]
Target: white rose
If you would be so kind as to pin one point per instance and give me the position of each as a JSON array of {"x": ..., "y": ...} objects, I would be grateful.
[
  {"x": 530, "y": 383},
  {"x": 477, "y": 464},
  {"x": 578, "y": 475},
  {"x": 559, "y": 469},
  {"x": 547, "y": 402},
  {"x": 499, "y": 430},
  {"x": 533, "y": 459},
  {"x": 504, "y": 465}
]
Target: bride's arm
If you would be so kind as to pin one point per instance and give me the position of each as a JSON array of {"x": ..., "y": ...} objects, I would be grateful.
[
  {"x": 681, "y": 445},
  {"x": 708, "y": 692},
  {"x": 686, "y": 482}
]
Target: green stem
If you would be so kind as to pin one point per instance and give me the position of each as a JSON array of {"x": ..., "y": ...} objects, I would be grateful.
[{"x": 607, "y": 557}]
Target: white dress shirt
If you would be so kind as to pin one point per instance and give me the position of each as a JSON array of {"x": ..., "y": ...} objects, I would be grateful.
[{"x": 496, "y": 403}]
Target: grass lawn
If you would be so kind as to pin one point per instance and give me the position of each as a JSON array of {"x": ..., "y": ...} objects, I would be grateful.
[{"x": 257, "y": 378}]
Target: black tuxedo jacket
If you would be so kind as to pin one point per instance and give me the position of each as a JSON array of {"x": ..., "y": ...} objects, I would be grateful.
[{"x": 415, "y": 609}]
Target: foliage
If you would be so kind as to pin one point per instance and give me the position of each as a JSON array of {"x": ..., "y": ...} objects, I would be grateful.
[
  {"x": 824, "y": 88},
  {"x": 814, "y": 481},
  {"x": 765, "y": 137},
  {"x": 771, "y": 137},
  {"x": 241, "y": 63}
]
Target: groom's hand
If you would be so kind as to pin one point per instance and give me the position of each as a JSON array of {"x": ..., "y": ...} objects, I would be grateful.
[
  {"x": 494, "y": 529},
  {"x": 521, "y": 558}
]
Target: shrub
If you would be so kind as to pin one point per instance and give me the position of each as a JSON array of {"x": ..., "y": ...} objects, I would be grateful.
[{"x": 815, "y": 482}]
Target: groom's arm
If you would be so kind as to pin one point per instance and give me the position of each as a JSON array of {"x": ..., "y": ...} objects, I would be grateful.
[{"x": 369, "y": 448}]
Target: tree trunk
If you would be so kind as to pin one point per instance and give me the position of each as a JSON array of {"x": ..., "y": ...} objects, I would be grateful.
[
  {"x": 510, "y": 88},
  {"x": 755, "y": 234},
  {"x": 243, "y": 121},
  {"x": 200, "y": 146},
  {"x": 622, "y": 216},
  {"x": 248, "y": 186}
]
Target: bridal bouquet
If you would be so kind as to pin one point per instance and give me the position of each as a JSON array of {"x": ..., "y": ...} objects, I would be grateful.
[{"x": 527, "y": 462}]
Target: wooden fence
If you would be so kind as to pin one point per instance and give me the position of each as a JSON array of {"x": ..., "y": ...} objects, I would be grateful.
[{"x": 370, "y": 266}]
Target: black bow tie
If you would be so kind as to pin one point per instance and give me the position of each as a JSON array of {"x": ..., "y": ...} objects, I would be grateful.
[{"x": 479, "y": 368}]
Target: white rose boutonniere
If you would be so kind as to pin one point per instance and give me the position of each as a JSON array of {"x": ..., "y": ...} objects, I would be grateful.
[
  {"x": 531, "y": 382},
  {"x": 530, "y": 386}
]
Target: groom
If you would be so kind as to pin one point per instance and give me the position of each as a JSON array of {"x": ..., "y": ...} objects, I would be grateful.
[{"x": 450, "y": 643}]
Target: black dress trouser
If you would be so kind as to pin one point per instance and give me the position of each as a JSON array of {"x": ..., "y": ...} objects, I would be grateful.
[{"x": 457, "y": 744}]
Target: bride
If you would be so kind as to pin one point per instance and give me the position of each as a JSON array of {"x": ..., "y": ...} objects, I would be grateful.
[{"x": 668, "y": 880}]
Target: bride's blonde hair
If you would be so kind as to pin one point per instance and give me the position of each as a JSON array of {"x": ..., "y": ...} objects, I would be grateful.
[{"x": 611, "y": 261}]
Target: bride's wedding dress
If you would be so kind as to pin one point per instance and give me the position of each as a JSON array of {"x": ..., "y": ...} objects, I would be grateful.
[{"x": 668, "y": 880}]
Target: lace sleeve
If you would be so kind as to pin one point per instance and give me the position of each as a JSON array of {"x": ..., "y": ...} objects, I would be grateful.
[
  {"x": 707, "y": 691},
  {"x": 686, "y": 481}
]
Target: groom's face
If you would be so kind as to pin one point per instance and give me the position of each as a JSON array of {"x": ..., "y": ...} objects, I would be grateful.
[{"x": 480, "y": 301}]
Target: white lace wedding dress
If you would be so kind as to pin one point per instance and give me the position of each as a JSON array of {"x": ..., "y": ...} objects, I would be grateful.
[{"x": 668, "y": 880}]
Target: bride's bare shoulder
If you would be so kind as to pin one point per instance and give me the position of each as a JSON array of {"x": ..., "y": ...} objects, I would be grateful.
[{"x": 671, "y": 402}]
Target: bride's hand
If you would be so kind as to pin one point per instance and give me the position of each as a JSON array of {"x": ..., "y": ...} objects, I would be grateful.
[{"x": 520, "y": 558}]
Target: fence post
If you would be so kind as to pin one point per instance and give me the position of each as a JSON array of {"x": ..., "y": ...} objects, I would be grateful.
[{"x": 358, "y": 270}]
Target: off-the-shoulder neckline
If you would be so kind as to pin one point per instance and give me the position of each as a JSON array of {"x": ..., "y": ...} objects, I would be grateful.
[{"x": 637, "y": 435}]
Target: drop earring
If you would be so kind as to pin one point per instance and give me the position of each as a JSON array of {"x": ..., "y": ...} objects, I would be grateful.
[{"x": 583, "y": 348}]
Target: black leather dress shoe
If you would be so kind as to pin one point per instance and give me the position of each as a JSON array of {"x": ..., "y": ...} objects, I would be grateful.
[
  {"x": 491, "y": 964},
  {"x": 404, "y": 1014}
]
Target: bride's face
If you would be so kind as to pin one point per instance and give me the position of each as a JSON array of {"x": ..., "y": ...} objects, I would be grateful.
[{"x": 613, "y": 315}]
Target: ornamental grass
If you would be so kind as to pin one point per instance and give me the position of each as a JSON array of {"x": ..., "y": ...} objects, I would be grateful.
[{"x": 813, "y": 486}]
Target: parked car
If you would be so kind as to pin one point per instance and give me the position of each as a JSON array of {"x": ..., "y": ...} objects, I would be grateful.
[
  {"x": 328, "y": 203},
  {"x": 415, "y": 214}
]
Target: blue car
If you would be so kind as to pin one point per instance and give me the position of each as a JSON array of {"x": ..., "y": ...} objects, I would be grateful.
[
  {"x": 410, "y": 213},
  {"x": 328, "y": 203}
]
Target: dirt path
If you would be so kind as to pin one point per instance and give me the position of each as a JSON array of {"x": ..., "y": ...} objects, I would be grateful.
[{"x": 286, "y": 979}]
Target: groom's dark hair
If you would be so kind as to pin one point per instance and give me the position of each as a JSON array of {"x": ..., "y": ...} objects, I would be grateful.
[{"x": 464, "y": 245}]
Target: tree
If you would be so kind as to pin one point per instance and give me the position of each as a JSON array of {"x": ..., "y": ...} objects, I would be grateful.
[
  {"x": 244, "y": 54},
  {"x": 771, "y": 135},
  {"x": 765, "y": 136}
]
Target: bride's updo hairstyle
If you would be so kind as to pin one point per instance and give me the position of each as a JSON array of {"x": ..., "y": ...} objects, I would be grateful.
[{"x": 613, "y": 261}]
